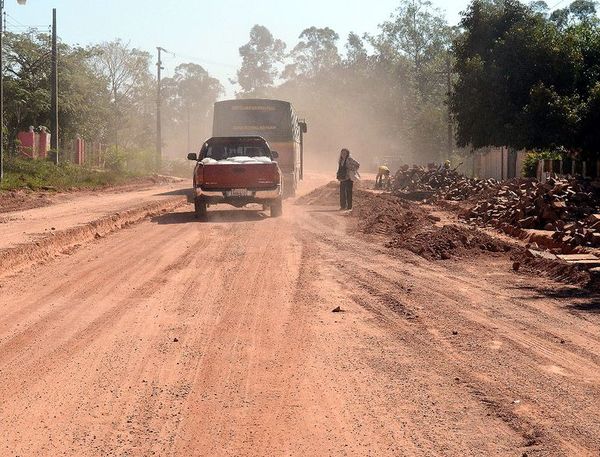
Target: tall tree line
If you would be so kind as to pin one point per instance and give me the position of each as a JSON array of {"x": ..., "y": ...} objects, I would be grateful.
[
  {"x": 382, "y": 94},
  {"x": 107, "y": 94},
  {"x": 521, "y": 76},
  {"x": 528, "y": 77}
]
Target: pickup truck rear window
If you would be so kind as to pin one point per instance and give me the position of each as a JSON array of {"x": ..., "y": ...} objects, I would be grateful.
[{"x": 223, "y": 152}]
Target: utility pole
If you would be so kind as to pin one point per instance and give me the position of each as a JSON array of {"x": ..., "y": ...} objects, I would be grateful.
[
  {"x": 1, "y": 93},
  {"x": 449, "y": 83},
  {"x": 54, "y": 91},
  {"x": 159, "y": 69}
]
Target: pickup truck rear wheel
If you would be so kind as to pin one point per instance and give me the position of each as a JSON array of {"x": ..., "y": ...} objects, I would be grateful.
[
  {"x": 277, "y": 208},
  {"x": 200, "y": 208}
]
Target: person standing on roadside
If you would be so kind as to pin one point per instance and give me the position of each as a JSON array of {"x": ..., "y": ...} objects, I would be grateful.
[{"x": 347, "y": 173}]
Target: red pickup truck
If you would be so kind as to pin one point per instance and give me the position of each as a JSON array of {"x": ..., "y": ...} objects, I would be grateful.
[{"x": 237, "y": 171}]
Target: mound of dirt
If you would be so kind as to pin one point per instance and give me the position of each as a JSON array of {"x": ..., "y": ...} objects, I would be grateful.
[
  {"x": 449, "y": 241},
  {"x": 388, "y": 215},
  {"x": 327, "y": 195}
]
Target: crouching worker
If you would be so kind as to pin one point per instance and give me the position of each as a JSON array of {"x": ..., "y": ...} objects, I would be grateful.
[
  {"x": 347, "y": 173},
  {"x": 382, "y": 180}
]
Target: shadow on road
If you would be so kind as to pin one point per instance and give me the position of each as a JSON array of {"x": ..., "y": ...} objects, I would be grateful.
[
  {"x": 174, "y": 193},
  {"x": 577, "y": 299},
  {"x": 231, "y": 216},
  {"x": 588, "y": 306},
  {"x": 325, "y": 210}
]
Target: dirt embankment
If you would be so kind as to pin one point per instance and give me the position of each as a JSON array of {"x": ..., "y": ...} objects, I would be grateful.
[
  {"x": 65, "y": 241},
  {"x": 23, "y": 199}
]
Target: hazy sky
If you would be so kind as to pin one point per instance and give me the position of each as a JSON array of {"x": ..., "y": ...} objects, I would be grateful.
[{"x": 208, "y": 32}]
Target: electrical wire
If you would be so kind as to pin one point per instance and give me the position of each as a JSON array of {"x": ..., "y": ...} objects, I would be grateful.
[
  {"x": 200, "y": 60},
  {"x": 557, "y": 4},
  {"x": 18, "y": 27}
]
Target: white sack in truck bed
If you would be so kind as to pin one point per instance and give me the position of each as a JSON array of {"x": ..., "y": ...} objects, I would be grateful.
[{"x": 236, "y": 160}]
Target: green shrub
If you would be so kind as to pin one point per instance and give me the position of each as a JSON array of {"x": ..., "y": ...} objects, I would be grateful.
[
  {"x": 533, "y": 157},
  {"x": 43, "y": 174},
  {"x": 115, "y": 160}
]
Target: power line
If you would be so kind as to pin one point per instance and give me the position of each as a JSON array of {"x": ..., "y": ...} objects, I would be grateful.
[
  {"x": 13, "y": 18},
  {"x": 20, "y": 28},
  {"x": 37, "y": 27},
  {"x": 558, "y": 4},
  {"x": 20, "y": 24},
  {"x": 201, "y": 60},
  {"x": 17, "y": 25}
]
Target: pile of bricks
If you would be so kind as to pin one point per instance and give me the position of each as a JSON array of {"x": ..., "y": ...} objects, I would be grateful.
[
  {"x": 423, "y": 183},
  {"x": 568, "y": 208}
]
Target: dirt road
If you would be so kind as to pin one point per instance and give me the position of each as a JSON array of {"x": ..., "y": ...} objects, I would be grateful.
[{"x": 178, "y": 338}]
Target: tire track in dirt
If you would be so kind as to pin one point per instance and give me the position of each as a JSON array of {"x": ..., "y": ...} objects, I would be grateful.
[
  {"x": 531, "y": 433},
  {"x": 243, "y": 326},
  {"x": 86, "y": 335},
  {"x": 67, "y": 300},
  {"x": 83, "y": 337}
]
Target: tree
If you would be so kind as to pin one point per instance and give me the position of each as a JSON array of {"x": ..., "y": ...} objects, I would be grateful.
[
  {"x": 590, "y": 120},
  {"x": 83, "y": 100},
  {"x": 539, "y": 7},
  {"x": 418, "y": 32},
  {"x": 513, "y": 86},
  {"x": 27, "y": 84},
  {"x": 127, "y": 72},
  {"x": 190, "y": 95},
  {"x": 260, "y": 57},
  {"x": 356, "y": 53},
  {"x": 414, "y": 44},
  {"x": 580, "y": 11},
  {"x": 316, "y": 53},
  {"x": 505, "y": 51}
]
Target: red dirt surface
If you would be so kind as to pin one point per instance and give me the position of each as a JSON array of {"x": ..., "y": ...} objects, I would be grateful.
[
  {"x": 327, "y": 195},
  {"x": 179, "y": 338},
  {"x": 19, "y": 200},
  {"x": 555, "y": 269}
]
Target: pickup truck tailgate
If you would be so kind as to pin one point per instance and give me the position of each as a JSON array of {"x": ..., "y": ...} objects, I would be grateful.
[{"x": 239, "y": 176}]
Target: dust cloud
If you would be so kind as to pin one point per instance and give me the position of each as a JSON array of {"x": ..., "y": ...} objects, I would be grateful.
[{"x": 353, "y": 121}]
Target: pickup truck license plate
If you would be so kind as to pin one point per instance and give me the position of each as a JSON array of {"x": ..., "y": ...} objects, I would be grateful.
[{"x": 238, "y": 193}]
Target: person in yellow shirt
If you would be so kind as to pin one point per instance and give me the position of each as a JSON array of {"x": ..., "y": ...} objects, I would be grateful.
[{"x": 382, "y": 180}]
